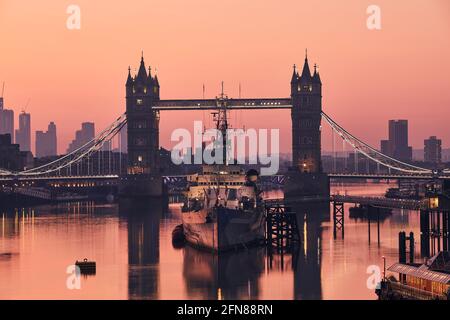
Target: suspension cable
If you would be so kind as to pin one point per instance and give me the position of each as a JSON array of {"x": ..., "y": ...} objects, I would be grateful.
[{"x": 371, "y": 152}]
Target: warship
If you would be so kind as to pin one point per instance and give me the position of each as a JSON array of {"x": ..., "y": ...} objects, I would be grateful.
[{"x": 223, "y": 208}]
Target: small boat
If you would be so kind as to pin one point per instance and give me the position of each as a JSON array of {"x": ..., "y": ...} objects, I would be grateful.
[
  {"x": 363, "y": 212},
  {"x": 178, "y": 238},
  {"x": 86, "y": 266}
]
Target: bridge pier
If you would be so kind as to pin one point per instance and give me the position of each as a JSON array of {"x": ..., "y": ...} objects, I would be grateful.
[
  {"x": 338, "y": 218},
  {"x": 306, "y": 187},
  {"x": 141, "y": 185}
]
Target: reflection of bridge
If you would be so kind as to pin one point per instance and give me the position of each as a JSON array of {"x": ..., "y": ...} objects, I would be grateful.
[
  {"x": 142, "y": 116},
  {"x": 380, "y": 202}
]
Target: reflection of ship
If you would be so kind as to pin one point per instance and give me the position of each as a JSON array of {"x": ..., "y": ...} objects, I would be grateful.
[
  {"x": 223, "y": 209},
  {"x": 230, "y": 275}
]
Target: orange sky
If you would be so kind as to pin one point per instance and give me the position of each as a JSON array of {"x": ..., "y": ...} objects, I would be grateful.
[{"x": 71, "y": 76}]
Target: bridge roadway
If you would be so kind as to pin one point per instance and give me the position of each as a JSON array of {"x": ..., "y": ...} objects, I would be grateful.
[
  {"x": 112, "y": 180},
  {"x": 275, "y": 178},
  {"x": 387, "y": 176}
]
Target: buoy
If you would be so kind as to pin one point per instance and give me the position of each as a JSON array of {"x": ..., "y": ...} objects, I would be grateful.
[
  {"x": 178, "y": 238},
  {"x": 110, "y": 198},
  {"x": 86, "y": 266}
]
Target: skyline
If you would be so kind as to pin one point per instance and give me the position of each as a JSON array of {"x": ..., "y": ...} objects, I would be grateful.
[{"x": 91, "y": 74}]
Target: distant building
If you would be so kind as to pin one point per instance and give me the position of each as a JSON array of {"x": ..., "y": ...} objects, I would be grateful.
[
  {"x": 7, "y": 122},
  {"x": 46, "y": 142},
  {"x": 397, "y": 144},
  {"x": 83, "y": 136},
  {"x": 123, "y": 136},
  {"x": 23, "y": 134},
  {"x": 386, "y": 147},
  {"x": 27, "y": 160},
  {"x": 433, "y": 150},
  {"x": 10, "y": 156}
]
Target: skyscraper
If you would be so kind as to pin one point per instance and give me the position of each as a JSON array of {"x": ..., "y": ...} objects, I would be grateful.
[
  {"x": 23, "y": 134},
  {"x": 10, "y": 157},
  {"x": 46, "y": 142},
  {"x": 83, "y": 136},
  {"x": 7, "y": 122},
  {"x": 433, "y": 150},
  {"x": 397, "y": 144}
]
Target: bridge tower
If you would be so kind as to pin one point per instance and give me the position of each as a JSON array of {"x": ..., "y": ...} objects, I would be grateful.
[
  {"x": 143, "y": 176},
  {"x": 306, "y": 178}
]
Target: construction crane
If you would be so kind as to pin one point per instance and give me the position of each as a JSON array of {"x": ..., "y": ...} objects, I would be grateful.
[
  {"x": 26, "y": 106},
  {"x": 1, "y": 97}
]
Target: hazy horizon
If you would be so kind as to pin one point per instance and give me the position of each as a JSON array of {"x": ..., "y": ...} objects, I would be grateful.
[{"x": 71, "y": 76}]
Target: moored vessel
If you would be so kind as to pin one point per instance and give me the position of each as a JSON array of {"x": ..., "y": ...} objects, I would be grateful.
[{"x": 223, "y": 208}]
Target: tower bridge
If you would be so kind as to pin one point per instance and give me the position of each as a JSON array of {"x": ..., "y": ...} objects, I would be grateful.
[{"x": 144, "y": 176}]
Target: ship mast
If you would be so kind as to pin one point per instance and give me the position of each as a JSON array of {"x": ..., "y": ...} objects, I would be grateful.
[{"x": 222, "y": 121}]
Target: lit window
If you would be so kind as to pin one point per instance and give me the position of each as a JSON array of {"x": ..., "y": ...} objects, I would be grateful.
[
  {"x": 140, "y": 158},
  {"x": 139, "y": 102}
]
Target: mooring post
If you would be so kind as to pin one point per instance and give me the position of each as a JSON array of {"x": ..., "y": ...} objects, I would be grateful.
[
  {"x": 334, "y": 219},
  {"x": 378, "y": 226},
  {"x": 411, "y": 247},
  {"x": 402, "y": 247},
  {"x": 438, "y": 226},
  {"x": 368, "y": 221},
  {"x": 445, "y": 225},
  {"x": 424, "y": 233}
]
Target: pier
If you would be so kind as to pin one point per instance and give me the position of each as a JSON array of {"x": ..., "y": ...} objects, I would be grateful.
[{"x": 383, "y": 202}]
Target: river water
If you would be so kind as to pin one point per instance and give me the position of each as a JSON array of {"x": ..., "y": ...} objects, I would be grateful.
[{"x": 131, "y": 243}]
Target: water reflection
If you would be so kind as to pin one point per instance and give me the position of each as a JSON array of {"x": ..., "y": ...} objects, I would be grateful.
[
  {"x": 131, "y": 243},
  {"x": 307, "y": 273},
  {"x": 231, "y": 275},
  {"x": 143, "y": 224}
]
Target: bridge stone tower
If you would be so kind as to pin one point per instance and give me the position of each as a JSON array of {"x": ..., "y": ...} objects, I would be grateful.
[
  {"x": 306, "y": 179},
  {"x": 306, "y": 95},
  {"x": 143, "y": 176}
]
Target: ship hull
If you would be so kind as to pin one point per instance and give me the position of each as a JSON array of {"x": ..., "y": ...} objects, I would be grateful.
[{"x": 230, "y": 229}]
